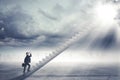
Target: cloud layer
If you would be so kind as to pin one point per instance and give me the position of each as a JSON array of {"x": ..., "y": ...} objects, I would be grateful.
[{"x": 46, "y": 23}]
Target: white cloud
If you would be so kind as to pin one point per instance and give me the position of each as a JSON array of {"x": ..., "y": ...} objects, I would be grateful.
[{"x": 38, "y": 40}]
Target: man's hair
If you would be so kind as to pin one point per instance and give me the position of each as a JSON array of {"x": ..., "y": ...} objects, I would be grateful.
[{"x": 27, "y": 53}]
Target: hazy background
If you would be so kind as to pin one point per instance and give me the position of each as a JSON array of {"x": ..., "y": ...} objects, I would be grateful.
[{"x": 40, "y": 26}]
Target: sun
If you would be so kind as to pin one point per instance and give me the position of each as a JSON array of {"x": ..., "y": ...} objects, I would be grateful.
[{"x": 105, "y": 13}]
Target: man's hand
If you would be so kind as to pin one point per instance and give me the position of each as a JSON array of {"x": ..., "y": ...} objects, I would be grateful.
[{"x": 30, "y": 55}]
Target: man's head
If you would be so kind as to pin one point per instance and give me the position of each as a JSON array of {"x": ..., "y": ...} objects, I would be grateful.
[{"x": 27, "y": 53}]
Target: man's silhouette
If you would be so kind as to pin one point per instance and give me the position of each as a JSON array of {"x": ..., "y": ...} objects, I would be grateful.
[{"x": 27, "y": 61}]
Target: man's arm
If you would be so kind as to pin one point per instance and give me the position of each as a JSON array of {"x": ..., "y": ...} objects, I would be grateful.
[{"x": 30, "y": 55}]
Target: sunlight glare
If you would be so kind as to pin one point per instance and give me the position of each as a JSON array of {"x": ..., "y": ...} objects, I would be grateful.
[{"x": 106, "y": 13}]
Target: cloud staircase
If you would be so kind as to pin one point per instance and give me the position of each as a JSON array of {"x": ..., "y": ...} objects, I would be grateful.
[{"x": 55, "y": 53}]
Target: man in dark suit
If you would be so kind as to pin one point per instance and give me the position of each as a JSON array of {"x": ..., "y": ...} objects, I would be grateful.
[{"x": 27, "y": 61}]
